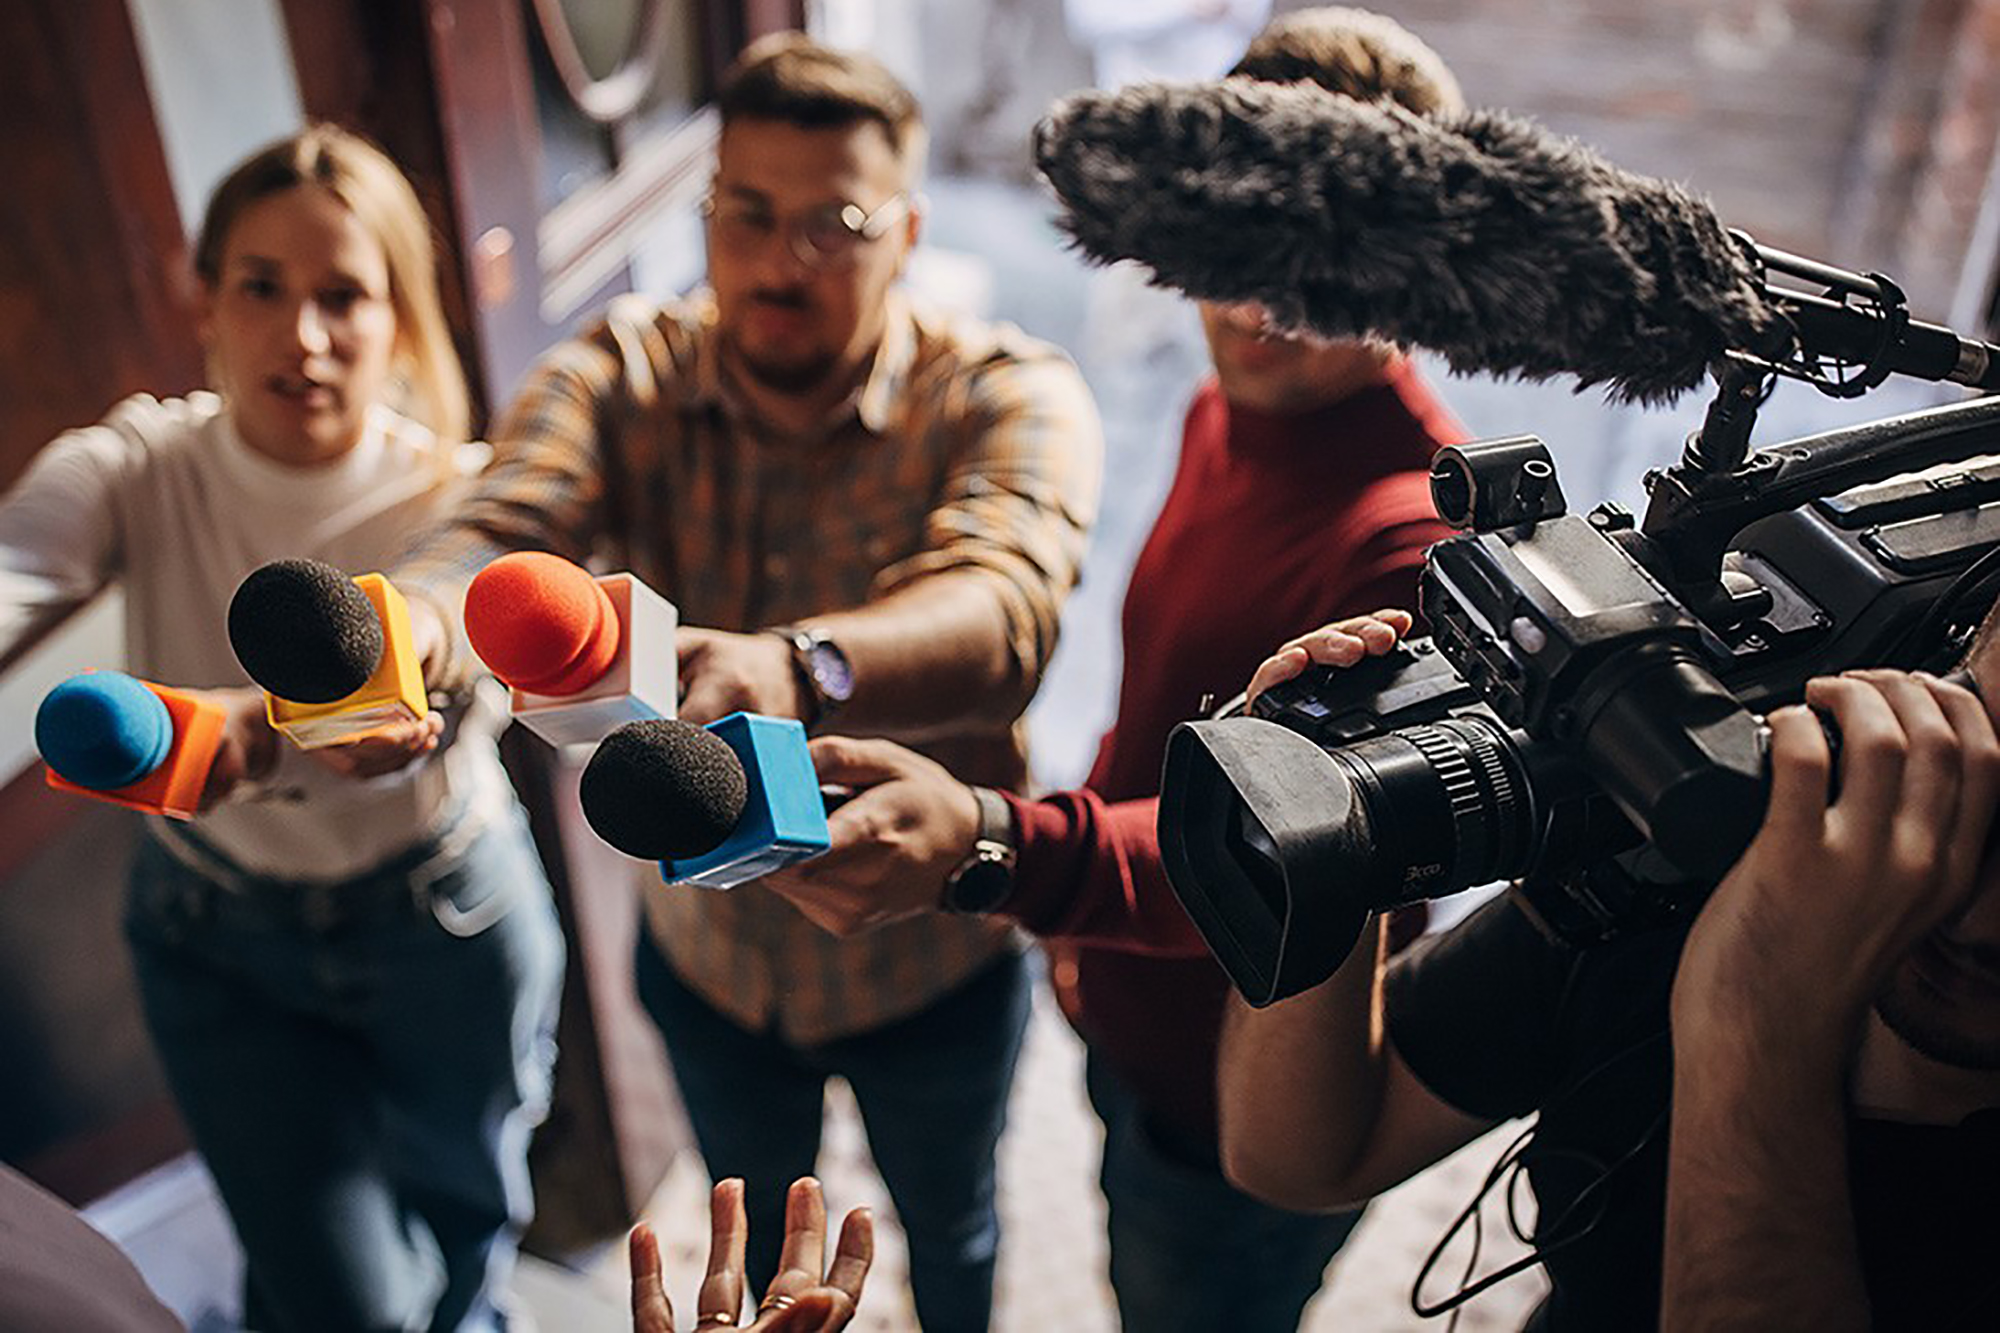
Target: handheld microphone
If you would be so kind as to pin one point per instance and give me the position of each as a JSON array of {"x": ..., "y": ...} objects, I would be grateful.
[
  {"x": 1483, "y": 237},
  {"x": 332, "y": 654},
  {"x": 579, "y": 655},
  {"x": 716, "y": 805},
  {"x": 128, "y": 741}
]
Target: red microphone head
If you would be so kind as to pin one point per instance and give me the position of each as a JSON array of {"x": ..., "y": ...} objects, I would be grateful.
[{"x": 541, "y": 624}]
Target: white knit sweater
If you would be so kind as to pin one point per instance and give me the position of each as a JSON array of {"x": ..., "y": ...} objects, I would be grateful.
[{"x": 165, "y": 498}]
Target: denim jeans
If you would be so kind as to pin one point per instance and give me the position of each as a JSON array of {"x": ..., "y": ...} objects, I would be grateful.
[
  {"x": 932, "y": 1089},
  {"x": 361, "y": 1065},
  {"x": 1190, "y": 1253}
]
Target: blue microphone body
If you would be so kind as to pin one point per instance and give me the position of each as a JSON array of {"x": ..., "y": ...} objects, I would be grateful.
[{"x": 784, "y": 814}]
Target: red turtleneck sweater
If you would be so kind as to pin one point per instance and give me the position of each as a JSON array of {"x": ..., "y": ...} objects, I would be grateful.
[{"x": 1275, "y": 525}]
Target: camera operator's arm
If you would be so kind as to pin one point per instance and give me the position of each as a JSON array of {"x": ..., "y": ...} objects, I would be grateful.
[
  {"x": 1317, "y": 1110},
  {"x": 1778, "y": 974}
]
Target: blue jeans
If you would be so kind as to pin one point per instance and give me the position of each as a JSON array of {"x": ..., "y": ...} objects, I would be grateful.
[
  {"x": 932, "y": 1089},
  {"x": 1190, "y": 1253},
  {"x": 361, "y": 1065}
]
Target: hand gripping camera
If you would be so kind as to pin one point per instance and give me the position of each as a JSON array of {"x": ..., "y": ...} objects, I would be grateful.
[{"x": 1586, "y": 717}]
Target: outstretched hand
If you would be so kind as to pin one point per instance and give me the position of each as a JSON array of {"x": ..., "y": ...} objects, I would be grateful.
[
  {"x": 249, "y": 748},
  {"x": 384, "y": 750},
  {"x": 723, "y": 673},
  {"x": 892, "y": 846},
  {"x": 805, "y": 1297}
]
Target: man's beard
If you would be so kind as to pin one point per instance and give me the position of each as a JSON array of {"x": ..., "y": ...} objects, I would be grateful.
[
  {"x": 796, "y": 374},
  {"x": 1922, "y": 1021},
  {"x": 787, "y": 377}
]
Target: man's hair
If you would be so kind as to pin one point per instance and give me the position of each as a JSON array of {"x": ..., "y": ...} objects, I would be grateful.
[
  {"x": 1353, "y": 52},
  {"x": 791, "y": 78}
]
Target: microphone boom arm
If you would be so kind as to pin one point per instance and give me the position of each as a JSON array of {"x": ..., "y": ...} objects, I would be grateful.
[{"x": 1846, "y": 339}]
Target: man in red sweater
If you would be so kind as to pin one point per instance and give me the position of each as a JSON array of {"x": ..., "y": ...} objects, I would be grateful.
[{"x": 1302, "y": 496}]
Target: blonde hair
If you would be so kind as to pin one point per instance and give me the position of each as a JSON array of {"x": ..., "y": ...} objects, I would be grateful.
[
  {"x": 1355, "y": 52},
  {"x": 364, "y": 179}
]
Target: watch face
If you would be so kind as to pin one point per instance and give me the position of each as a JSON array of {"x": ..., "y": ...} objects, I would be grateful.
[
  {"x": 831, "y": 672},
  {"x": 980, "y": 886}
]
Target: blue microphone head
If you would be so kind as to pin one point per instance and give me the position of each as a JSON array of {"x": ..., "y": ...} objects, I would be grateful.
[{"x": 103, "y": 730}]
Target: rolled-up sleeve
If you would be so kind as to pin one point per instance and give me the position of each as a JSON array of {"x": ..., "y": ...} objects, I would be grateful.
[
  {"x": 542, "y": 489},
  {"x": 1020, "y": 498}
]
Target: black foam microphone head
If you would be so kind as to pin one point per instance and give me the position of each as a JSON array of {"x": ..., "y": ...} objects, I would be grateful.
[
  {"x": 664, "y": 790},
  {"x": 1482, "y": 237},
  {"x": 305, "y": 631}
]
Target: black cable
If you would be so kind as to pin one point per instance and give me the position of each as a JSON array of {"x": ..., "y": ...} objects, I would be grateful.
[{"x": 1545, "y": 1240}]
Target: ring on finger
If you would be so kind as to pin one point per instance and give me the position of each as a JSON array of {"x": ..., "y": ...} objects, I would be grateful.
[
  {"x": 777, "y": 1300},
  {"x": 718, "y": 1319}
]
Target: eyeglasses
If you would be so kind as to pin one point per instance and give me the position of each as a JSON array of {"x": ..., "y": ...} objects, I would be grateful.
[{"x": 827, "y": 237}]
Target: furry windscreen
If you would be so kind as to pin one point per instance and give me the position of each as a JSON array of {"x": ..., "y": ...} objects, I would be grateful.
[{"x": 1482, "y": 237}]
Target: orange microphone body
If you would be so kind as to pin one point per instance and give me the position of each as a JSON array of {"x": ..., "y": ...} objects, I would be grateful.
[
  {"x": 114, "y": 737},
  {"x": 581, "y": 655}
]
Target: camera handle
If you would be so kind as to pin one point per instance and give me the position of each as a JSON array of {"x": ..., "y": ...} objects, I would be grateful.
[
  {"x": 1694, "y": 511},
  {"x": 1844, "y": 339}
]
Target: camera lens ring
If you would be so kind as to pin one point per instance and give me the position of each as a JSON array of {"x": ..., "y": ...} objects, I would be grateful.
[{"x": 1486, "y": 798}]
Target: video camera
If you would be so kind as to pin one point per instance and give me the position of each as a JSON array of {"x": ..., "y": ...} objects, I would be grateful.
[{"x": 1586, "y": 717}]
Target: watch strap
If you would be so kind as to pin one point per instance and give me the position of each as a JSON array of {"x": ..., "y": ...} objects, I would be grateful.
[{"x": 985, "y": 878}]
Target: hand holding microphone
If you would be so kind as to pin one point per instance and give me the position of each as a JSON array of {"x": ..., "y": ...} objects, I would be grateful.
[
  {"x": 897, "y": 848},
  {"x": 716, "y": 805},
  {"x": 740, "y": 673},
  {"x": 580, "y": 655}
]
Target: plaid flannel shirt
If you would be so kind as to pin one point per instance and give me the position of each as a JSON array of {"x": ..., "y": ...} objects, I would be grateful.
[{"x": 967, "y": 447}]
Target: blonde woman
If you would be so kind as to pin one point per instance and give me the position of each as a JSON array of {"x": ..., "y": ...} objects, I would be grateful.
[{"x": 349, "y": 963}]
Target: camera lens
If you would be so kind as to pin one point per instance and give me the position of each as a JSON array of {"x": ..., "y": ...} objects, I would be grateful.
[
  {"x": 1448, "y": 803},
  {"x": 1279, "y": 847}
]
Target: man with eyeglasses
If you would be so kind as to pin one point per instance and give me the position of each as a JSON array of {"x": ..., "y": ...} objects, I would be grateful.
[
  {"x": 874, "y": 514},
  {"x": 1301, "y": 496}
]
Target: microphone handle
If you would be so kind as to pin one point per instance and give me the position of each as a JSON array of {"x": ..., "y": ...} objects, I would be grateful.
[{"x": 1922, "y": 350}]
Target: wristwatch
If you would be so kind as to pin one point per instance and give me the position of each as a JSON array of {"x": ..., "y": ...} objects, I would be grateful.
[
  {"x": 826, "y": 681},
  {"x": 985, "y": 878}
]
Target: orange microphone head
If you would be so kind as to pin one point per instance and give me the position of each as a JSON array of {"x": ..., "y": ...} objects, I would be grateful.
[{"x": 541, "y": 623}]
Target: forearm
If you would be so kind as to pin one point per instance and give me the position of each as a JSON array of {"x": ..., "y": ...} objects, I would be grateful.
[
  {"x": 58, "y": 536},
  {"x": 961, "y": 630},
  {"x": 541, "y": 490},
  {"x": 1301, "y": 1084},
  {"x": 930, "y": 657},
  {"x": 1090, "y": 872},
  {"x": 1760, "y": 1229}
]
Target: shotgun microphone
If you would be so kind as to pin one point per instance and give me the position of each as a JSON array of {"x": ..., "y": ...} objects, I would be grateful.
[{"x": 1482, "y": 236}]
